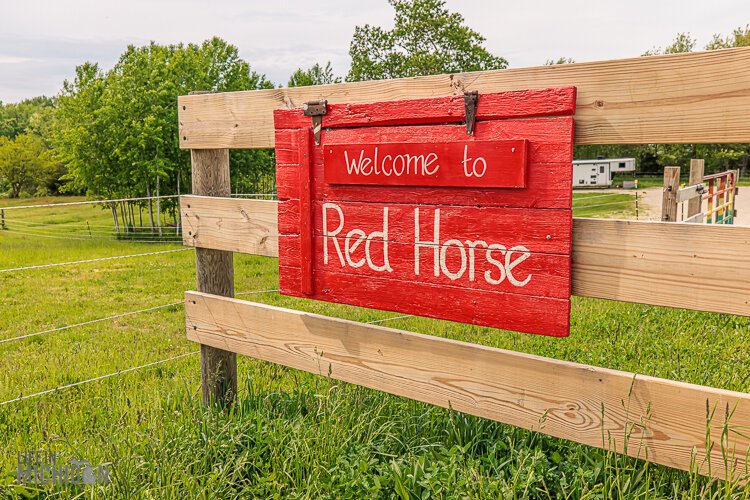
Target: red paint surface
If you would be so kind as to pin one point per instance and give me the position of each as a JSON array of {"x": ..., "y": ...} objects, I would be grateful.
[
  {"x": 500, "y": 255},
  {"x": 460, "y": 163}
]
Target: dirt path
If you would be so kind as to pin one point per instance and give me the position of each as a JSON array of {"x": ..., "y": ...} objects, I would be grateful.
[{"x": 649, "y": 203}]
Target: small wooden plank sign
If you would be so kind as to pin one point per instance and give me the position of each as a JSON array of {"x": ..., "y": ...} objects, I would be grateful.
[
  {"x": 417, "y": 216},
  {"x": 461, "y": 164}
]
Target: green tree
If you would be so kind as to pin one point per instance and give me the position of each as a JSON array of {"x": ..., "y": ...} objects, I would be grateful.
[
  {"x": 24, "y": 163},
  {"x": 740, "y": 37},
  {"x": 683, "y": 42},
  {"x": 15, "y": 118},
  {"x": 559, "y": 60},
  {"x": 652, "y": 158},
  {"x": 427, "y": 39},
  {"x": 316, "y": 75},
  {"x": 118, "y": 131}
]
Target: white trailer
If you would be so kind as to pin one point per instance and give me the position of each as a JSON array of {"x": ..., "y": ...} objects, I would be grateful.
[{"x": 599, "y": 173}]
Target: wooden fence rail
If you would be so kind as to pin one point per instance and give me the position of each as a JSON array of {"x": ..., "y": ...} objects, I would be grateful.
[
  {"x": 699, "y": 267},
  {"x": 645, "y": 417},
  {"x": 679, "y": 98}
]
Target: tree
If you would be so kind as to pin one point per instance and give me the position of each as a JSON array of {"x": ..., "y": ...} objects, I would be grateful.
[
  {"x": 683, "y": 42},
  {"x": 652, "y": 158},
  {"x": 740, "y": 37},
  {"x": 118, "y": 131},
  {"x": 316, "y": 75},
  {"x": 427, "y": 39},
  {"x": 559, "y": 60},
  {"x": 16, "y": 118},
  {"x": 24, "y": 163}
]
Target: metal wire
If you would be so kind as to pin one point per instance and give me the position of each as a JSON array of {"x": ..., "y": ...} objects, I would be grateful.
[
  {"x": 42, "y": 266},
  {"x": 101, "y": 377},
  {"x": 52, "y": 330},
  {"x": 81, "y": 236},
  {"x": 90, "y": 202}
]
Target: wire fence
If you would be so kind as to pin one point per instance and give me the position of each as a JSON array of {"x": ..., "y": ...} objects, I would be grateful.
[
  {"x": 90, "y": 202},
  {"x": 23, "y": 397},
  {"x": 86, "y": 261}
]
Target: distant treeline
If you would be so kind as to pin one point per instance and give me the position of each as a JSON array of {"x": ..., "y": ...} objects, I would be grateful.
[{"x": 114, "y": 134}]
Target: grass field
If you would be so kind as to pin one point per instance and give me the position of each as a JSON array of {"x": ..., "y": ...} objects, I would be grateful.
[{"x": 293, "y": 434}]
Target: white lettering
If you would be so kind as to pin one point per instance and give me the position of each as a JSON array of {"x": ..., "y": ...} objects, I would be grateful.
[
  {"x": 511, "y": 264},
  {"x": 474, "y": 172},
  {"x": 488, "y": 273},
  {"x": 353, "y": 166},
  {"x": 443, "y": 250},
  {"x": 384, "y": 235},
  {"x": 472, "y": 245},
  {"x": 426, "y": 166},
  {"x": 434, "y": 244},
  {"x": 350, "y": 248},
  {"x": 328, "y": 234}
]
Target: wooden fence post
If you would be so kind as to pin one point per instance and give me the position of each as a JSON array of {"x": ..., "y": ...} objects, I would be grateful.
[
  {"x": 669, "y": 199},
  {"x": 2, "y": 219},
  {"x": 696, "y": 177},
  {"x": 214, "y": 271}
]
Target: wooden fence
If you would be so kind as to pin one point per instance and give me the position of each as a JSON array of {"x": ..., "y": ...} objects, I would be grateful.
[
  {"x": 685, "y": 98},
  {"x": 718, "y": 190}
]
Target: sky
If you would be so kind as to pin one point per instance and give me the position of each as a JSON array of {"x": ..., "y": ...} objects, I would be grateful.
[{"x": 41, "y": 41}]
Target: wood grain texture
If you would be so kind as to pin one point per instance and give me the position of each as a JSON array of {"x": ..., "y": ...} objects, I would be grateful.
[
  {"x": 701, "y": 97},
  {"x": 214, "y": 272},
  {"x": 251, "y": 224},
  {"x": 696, "y": 177},
  {"x": 470, "y": 246},
  {"x": 491, "y": 106},
  {"x": 549, "y": 156},
  {"x": 701, "y": 267},
  {"x": 511, "y": 311},
  {"x": 478, "y": 164},
  {"x": 669, "y": 202},
  {"x": 666, "y": 420}
]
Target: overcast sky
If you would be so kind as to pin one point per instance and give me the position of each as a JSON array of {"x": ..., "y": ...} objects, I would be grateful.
[{"x": 41, "y": 41}]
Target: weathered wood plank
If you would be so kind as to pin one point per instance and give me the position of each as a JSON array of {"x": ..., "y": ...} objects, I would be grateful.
[
  {"x": 701, "y": 97},
  {"x": 515, "y": 104},
  {"x": 701, "y": 267},
  {"x": 234, "y": 225},
  {"x": 549, "y": 156},
  {"x": 691, "y": 193},
  {"x": 669, "y": 201},
  {"x": 696, "y": 177},
  {"x": 517, "y": 312},
  {"x": 665, "y": 420},
  {"x": 214, "y": 273}
]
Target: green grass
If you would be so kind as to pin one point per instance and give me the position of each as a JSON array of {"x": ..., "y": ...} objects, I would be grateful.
[
  {"x": 294, "y": 434},
  {"x": 609, "y": 205}
]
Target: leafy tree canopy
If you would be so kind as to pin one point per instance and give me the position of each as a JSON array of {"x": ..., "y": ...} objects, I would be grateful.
[
  {"x": 316, "y": 75},
  {"x": 683, "y": 42},
  {"x": 559, "y": 60},
  {"x": 427, "y": 39},
  {"x": 118, "y": 131},
  {"x": 25, "y": 163},
  {"x": 652, "y": 158},
  {"x": 16, "y": 118}
]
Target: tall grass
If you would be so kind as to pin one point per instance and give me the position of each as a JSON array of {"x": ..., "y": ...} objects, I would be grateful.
[{"x": 298, "y": 435}]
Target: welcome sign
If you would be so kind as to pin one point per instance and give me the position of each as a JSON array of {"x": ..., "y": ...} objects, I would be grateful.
[{"x": 399, "y": 208}]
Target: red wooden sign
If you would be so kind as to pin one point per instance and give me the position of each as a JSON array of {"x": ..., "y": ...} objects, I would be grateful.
[
  {"x": 398, "y": 208},
  {"x": 466, "y": 163}
]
